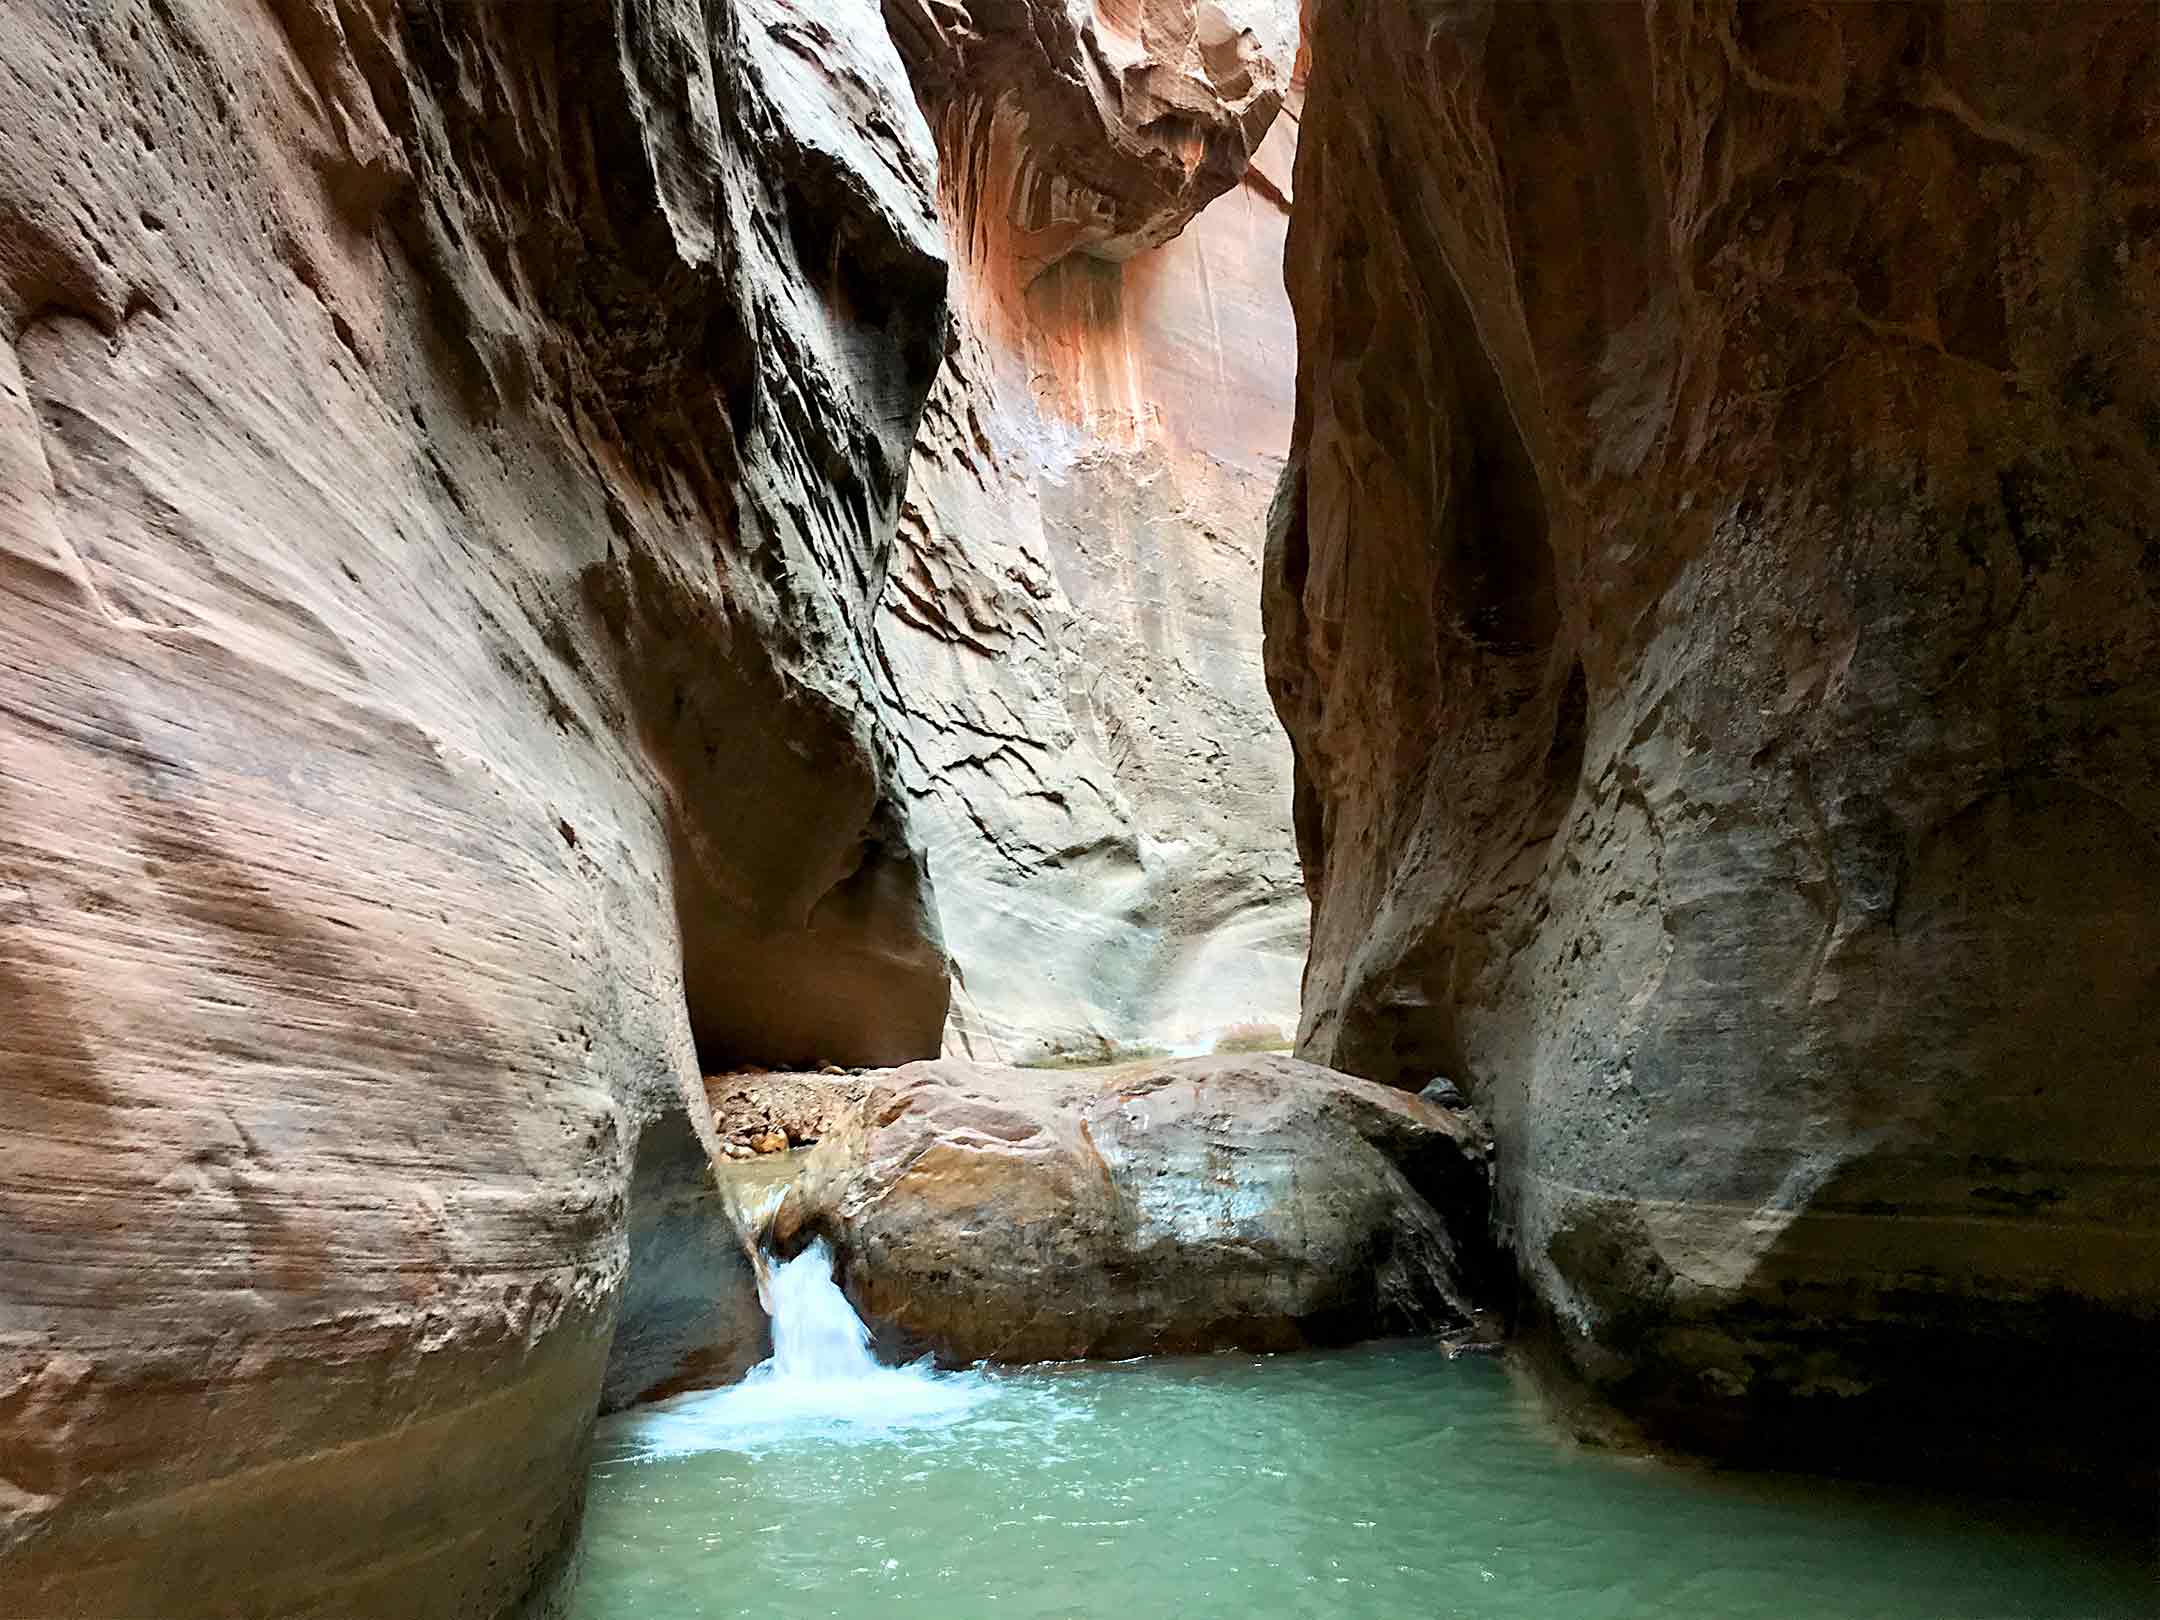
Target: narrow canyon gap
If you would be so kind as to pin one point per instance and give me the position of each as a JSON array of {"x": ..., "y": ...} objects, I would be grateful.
[
  {"x": 1068, "y": 644},
  {"x": 1071, "y": 630}
]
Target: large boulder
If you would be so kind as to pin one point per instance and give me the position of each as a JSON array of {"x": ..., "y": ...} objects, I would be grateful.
[
  {"x": 1716, "y": 605},
  {"x": 1031, "y": 1215},
  {"x": 448, "y": 456}
]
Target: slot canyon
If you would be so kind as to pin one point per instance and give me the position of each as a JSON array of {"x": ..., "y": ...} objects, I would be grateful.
[{"x": 1078, "y": 807}]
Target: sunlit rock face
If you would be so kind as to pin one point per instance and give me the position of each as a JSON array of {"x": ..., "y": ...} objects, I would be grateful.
[
  {"x": 1071, "y": 622},
  {"x": 1716, "y": 605},
  {"x": 448, "y": 459}
]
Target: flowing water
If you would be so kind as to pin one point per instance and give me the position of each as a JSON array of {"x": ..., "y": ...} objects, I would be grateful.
[
  {"x": 1378, "y": 1484},
  {"x": 821, "y": 1385}
]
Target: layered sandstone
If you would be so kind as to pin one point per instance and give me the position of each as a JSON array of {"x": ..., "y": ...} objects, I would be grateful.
[
  {"x": 1716, "y": 606},
  {"x": 1015, "y": 1215},
  {"x": 448, "y": 456},
  {"x": 1070, "y": 626}
]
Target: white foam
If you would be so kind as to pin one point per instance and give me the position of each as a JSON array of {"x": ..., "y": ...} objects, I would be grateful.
[{"x": 820, "y": 1383}]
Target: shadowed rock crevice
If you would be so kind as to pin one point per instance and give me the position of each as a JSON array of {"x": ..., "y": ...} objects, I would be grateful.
[
  {"x": 807, "y": 936},
  {"x": 689, "y": 1316}
]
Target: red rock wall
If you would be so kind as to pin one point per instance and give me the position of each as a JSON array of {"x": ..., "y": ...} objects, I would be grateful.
[
  {"x": 447, "y": 458},
  {"x": 1716, "y": 606}
]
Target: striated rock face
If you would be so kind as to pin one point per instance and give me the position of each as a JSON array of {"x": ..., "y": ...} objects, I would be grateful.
[
  {"x": 1017, "y": 1215},
  {"x": 1070, "y": 625},
  {"x": 1716, "y": 605},
  {"x": 448, "y": 456}
]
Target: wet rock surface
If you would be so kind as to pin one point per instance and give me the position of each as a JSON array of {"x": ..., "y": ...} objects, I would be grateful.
[
  {"x": 1714, "y": 604},
  {"x": 1255, "y": 1201},
  {"x": 448, "y": 458}
]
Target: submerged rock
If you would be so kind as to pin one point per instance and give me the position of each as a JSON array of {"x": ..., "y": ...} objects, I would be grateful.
[{"x": 1020, "y": 1215}]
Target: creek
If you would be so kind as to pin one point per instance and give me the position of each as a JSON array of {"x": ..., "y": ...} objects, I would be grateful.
[{"x": 1372, "y": 1484}]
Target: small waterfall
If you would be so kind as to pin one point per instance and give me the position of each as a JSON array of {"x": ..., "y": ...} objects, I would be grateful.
[
  {"x": 817, "y": 1337},
  {"x": 821, "y": 1383}
]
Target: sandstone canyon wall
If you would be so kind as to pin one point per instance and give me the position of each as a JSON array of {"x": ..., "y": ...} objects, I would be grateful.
[
  {"x": 448, "y": 459},
  {"x": 1071, "y": 625},
  {"x": 1716, "y": 605}
]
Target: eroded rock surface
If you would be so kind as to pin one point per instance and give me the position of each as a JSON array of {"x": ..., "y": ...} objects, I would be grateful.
[
  {"x": 1019, "y": 1215},
  {"x": 448, "y": 456},
  {"x": 1080, "y": 127},
  {"x": 1717, "y": 609},
  {"x": 1070, "y": 626}
]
